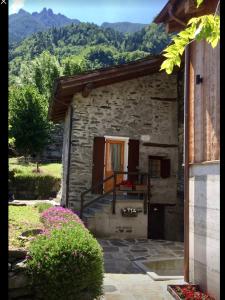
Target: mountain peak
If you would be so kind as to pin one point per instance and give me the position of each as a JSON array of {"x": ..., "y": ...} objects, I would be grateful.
[
  {"x": 23, "y": 12},
  {"x": 46, "y": 11}
]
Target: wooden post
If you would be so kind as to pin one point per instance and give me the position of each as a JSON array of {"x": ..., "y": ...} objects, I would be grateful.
[
  {"x": 114, "y": 194},
  {"x": 186, "y": 162}
]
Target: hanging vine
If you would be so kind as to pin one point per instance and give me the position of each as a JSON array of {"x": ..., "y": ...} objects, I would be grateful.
[{"x": 206, "y": 27}]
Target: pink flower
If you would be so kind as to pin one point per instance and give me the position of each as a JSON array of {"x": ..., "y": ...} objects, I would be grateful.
[{"x": 54, "y": 217}]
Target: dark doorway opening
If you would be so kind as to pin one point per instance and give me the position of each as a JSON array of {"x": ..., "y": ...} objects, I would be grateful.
[{"x": 156, "y": 221}]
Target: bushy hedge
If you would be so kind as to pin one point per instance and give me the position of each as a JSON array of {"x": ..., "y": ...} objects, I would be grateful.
[
  {"x": 66, "y": 262},
  {"x": 35, "y": 186}
]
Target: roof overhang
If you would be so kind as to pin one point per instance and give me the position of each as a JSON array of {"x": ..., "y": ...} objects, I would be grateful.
[
  {"x": 66, "y": 86},
  {"x": 176, "y": 13}
]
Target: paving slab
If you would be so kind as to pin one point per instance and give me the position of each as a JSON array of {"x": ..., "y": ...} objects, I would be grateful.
[
  {"x": 135, "y": 287},
  {"x": 124, "y": 280}
]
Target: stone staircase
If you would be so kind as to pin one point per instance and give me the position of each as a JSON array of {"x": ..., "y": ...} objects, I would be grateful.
[
  {"x": 98, "y": 217},
  {"x": 101, "y": 206}
]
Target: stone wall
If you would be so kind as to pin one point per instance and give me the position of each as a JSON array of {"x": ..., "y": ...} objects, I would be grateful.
[
  {"x": 116, "y": 226},
  {"x": 19, "y": 283},
  {"x": 204, "y": 232},
  {"x": 127, "y": 109}
]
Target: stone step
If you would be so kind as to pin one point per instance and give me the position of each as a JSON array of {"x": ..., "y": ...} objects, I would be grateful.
[
  {"x": 92, "y": 211},
  {"x": 105, "y": 201},
  {"x": 87, "y": 216},
  {"x": 97, "y": 205}
]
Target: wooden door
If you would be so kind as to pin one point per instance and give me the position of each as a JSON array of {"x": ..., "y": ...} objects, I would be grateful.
[
  {"x": 98, "y": 164},
  {"x": 114, "y": 161},
  {"x": 156, "y": 221}
]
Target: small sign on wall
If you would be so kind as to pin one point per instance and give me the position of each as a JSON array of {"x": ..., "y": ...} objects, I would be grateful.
[{"x": 130, "y": 212}]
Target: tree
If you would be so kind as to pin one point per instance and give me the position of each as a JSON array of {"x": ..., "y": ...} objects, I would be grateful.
[
  {"x": 74, "y": 65},
  {"x": 206, "y": 27},
  {"x": 28, "y": 120},
  {"x": 41, "y": 72}
]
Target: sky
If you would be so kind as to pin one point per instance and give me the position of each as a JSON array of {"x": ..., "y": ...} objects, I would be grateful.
[{"x": 96, "y": 11}]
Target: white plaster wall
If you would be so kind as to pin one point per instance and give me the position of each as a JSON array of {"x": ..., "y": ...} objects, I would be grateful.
[{"x": 204, "y": 233}]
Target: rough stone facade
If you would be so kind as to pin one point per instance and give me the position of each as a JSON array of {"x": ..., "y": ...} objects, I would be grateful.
[{"x": 132, "y": 109}]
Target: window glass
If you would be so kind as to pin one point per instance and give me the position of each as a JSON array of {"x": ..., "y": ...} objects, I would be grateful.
[
  {"x": 115, "y": 150},
  {"x": 154, "y": 167}
]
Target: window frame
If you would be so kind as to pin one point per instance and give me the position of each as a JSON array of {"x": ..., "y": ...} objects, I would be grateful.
[{"x": 162, "y": 159}]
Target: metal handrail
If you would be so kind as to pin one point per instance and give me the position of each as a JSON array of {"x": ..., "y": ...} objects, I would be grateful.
[
  {"x": 114, "y": 176},
  {"x": 91, "y": 189}
]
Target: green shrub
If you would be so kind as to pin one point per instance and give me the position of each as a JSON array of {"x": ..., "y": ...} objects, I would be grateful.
[
  {"x": 66, "y": 264},
  {"x": 43, "y": 206},
  {"x": 35, "y": 186}
]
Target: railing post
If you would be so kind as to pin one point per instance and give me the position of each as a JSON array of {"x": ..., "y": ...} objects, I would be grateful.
[{"x": 114, "y": 195}]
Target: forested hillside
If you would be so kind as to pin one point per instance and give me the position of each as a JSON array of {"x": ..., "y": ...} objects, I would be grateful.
[
  {"x": 124, "y": 27},
  {"x": 101, "y": 47},
  {"x": 38, "y": 60}
]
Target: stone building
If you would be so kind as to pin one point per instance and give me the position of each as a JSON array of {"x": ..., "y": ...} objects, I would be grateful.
[{"x": 125, "y": 119}]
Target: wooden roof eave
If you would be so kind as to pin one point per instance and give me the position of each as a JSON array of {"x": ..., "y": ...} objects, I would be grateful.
[
  {"x": 183, "y": 10},
  {"x": 76, "y": 87}
]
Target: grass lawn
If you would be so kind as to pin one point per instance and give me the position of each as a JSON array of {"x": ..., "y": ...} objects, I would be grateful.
[
  {"x": 53, "y": 169},
  {"x": 22, "y": 218}
]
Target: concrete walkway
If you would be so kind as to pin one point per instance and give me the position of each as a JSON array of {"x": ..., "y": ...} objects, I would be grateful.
[
  {"x": 124, "y": 280},
  {"x": 33, "y": 202}
]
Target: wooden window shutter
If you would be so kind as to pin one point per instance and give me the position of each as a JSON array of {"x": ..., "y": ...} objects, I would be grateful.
[
  {"x": 98, "y": 164},
  {"x": 133, "y": 159},
  {"x": 165, "y": 168}
]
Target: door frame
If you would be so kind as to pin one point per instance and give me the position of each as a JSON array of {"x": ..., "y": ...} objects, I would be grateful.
[{"x": 126, "y": 142}]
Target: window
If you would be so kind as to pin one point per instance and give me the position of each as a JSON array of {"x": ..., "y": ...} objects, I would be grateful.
[
  {"x": 159, "y": 167},
  {"x": 154, "y": 167}
]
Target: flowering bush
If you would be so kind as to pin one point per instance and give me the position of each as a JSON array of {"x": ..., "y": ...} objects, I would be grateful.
[
  {"x": 55, "y": 217},
  {"x": 66, "y": 264},
  {"x": 189, "y": 292}
]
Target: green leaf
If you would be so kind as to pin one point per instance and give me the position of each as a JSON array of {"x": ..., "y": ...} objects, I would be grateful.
[
  {"x": 168, "y": 66},
  {"x": 199, "y": 2}
]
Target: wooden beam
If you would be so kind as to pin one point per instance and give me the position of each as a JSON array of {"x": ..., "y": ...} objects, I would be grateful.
[
  {"x": 87, "y": 89},
  {"x": 160, "y": 145}
]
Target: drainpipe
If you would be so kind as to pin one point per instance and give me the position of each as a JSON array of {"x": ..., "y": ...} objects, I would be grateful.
[
  {"x": 186, "y": 162},
  {"x": 69, "y": 156}
]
